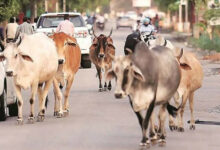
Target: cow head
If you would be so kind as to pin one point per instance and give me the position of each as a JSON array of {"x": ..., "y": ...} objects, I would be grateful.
[
  {"x": 62, "y": 42},
  {"x": 125, "y": 72},
  {"x": 15, "y": 58},
  {"x": 101, "y": 44}
]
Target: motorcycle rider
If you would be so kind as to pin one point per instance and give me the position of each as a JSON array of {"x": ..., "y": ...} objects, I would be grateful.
[{"x": 147, "y": 30}]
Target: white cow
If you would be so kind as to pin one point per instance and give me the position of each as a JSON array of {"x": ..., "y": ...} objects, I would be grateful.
[{"x": 32, "y": 61}]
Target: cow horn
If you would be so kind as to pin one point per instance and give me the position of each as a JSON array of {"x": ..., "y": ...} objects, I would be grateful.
[
  {"x": 129, "y": 50},
  {"x": 19, "y": 41},
  {"x": 110, "y": 33},
  {"x": 93, "y": 32},
  {"x": 181, "y": 54}
]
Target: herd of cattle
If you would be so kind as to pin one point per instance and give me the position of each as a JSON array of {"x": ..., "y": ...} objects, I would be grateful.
[{"x": 149, "y": 74}]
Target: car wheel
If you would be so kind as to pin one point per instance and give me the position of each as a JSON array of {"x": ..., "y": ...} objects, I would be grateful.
[
  {"x": 13, "y": 109},
  {"x": 3, "y": 106},
  {"x": 86, "y": 64}
]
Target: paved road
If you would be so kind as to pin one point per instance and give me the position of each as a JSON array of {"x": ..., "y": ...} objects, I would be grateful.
[{"x": 98, "y": 121}]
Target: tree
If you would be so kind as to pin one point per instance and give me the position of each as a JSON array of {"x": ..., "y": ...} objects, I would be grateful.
[
  {"x": 8, "y": 8},
  {"x": 86, "y": 5}
]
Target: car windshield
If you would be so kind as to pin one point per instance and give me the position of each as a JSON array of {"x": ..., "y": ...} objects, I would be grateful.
[{"x": 53, "y": 21}]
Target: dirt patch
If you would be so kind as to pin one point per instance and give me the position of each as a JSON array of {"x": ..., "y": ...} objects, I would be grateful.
[{"x": 213, "y": 57}]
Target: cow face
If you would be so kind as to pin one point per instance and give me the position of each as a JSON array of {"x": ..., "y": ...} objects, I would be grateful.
[
  {"x": 15, "y": 59},
  {"x": 102, "y": 44},
  {"x": 125, "y": 72},
  {"x": 62, "y": 42}
]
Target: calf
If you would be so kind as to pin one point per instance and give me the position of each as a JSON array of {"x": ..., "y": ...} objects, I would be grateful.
[
  {"x": 149, "y": 78},
  {"x": 69, "y": 62},
  {"x": 191, "y": 80},
  {"x": 100, "y": 51},
  {"x": 26, "y": 61}
]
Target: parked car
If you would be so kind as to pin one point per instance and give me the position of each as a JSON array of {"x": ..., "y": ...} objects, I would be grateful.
[
  {"x": 124, "y": 21},
  {"x": 8, "y": 101},
  {"x": 48, "y": 22}
]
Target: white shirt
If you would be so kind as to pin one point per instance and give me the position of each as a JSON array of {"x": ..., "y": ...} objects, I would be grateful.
[
  {"x": 11, "y": 29},
  {"x": 149, "y": 28}
]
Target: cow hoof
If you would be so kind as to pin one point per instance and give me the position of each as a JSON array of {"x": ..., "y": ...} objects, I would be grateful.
[
  {"x": 55, "y": 113},
  {"x": 180, "y": 129},
  {"x": 105, "y": 89},
  {"x": 145, "y": 144},
  {"x": 59, "y": 115},
  {"x": 31, "y": 120},
  {"x": 20, "y": 122},
  {"x": 192, "y": 127},
  {"x": 66, "y": 113},
  {"x": 40, "y": 118},
  {"x": 173, "y": 127},
  {"x": 109, "y": 88},
  {"x": 154, "y": 141},
  {"x": 162, "y": 142},
  {"x": 100, "y": 89}
]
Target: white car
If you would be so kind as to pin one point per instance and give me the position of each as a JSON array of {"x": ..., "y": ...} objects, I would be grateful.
[
  {"x": 8, "y": 101},
  {"x": 48, "y": 22}
]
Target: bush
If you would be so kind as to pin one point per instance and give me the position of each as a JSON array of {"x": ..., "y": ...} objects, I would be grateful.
[{"x": 205, "y": 43}]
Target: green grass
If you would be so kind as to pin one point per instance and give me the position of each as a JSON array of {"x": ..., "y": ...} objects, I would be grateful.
[{"x": 205, "y": 43}]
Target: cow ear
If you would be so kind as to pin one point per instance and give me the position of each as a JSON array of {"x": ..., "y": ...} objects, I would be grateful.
[
  {"x": 70, "y": 42},
  {"x": 110, "y": 75},
  {"x": 138, "y": 74},
  {"x": 2, "y": 57},
  {"x": 111, "y": 45},
  {"x": 27, "y": 58},
  {"x": 185, "y": 66}
]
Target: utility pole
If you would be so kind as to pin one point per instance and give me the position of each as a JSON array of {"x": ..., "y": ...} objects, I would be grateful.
[
  {"x": 64, "y": 5},
  {"x": 46, "y": 5}
]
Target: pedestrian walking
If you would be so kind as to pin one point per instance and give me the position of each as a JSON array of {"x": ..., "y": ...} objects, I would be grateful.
[
  {"x": 25, "y": 27},
  {"x": 66, "y": 26},
  {"x": 11, "y": 29}
]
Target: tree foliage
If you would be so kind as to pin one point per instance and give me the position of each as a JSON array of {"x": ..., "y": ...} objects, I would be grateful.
[
  {"x": 87, "y": 5},
  {"x": 8, "y": 8}
]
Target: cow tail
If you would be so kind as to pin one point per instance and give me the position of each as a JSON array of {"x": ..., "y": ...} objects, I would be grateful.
[{"x": 173, "y": 110}]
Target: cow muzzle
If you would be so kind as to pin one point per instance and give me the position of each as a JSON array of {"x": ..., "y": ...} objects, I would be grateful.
[
  {"x": 9, "y": 73},
  {"x": 101, "y": 55},
  {"x": 61, "y": 61}
]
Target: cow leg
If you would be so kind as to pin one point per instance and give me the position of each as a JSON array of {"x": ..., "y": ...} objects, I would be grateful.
[
  {"x": 105, "y": 86},
  {"x": 20, "y": 104},
  {"x": 138, "y": 114},
  {"x": 41, "y": 114},
  {"x": 180, "y": 116},
  {"x": 152, "y": 133},
  {"x": 100, "y": 78},
  {"x": 34, "y": 90},
  {"x": 66, "y": 94},
  {"x": 162, "y": 117},
  {"x": 192, "y": 121},
  {"x": 58, "y": 110},
  {"x": 145, "y": 141},
  {"x": 109, "y": 86},
  {"x": 172, "y": 124}
]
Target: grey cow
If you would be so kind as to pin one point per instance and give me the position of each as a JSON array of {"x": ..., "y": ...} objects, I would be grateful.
[{"x": 149, "y": 78}]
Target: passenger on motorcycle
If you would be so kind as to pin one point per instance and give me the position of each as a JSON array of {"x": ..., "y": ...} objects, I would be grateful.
[{"x": 147, "y": 30}]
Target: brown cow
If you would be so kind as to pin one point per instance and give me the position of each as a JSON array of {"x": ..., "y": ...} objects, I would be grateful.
[
  {"x": 69, "y": 62},
  {"x": 191, "y": 80},
  {"x": 100, "y": 51}
]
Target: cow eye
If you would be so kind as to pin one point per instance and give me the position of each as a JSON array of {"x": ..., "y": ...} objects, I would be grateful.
[{"x": 16, "y": 55}]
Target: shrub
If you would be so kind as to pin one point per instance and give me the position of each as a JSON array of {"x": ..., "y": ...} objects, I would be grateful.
[{"x": 205, "y": 43}]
